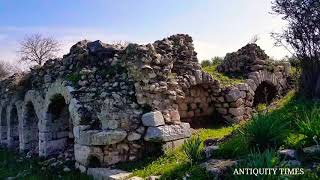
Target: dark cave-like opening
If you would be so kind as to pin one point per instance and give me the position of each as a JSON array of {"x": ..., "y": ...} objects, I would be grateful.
[{"x": 264, "y": 94}]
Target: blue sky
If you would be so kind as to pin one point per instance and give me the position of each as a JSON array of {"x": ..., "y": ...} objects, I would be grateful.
[{"x": 217, "y": 26}]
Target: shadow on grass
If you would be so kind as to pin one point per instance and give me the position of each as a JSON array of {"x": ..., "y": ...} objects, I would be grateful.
[{"x": 13, "y": 165}]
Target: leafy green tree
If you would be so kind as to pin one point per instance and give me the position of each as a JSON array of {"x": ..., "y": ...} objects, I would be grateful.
[
  {"x": 205, "y": 63},
  {"x": 303, "y": 36}
]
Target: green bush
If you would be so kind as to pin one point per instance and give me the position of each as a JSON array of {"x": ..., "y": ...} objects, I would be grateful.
[
  {"x": 265, "y": 130},
  {"x": 309, "y": 124},
  {"x": 193, "y": 148},
  {"x": 206, "y": 63},
  {"x": 234, "y": 147}
]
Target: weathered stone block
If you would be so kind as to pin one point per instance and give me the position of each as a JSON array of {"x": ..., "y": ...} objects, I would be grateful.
[
  {"x": 108, "y": 137},
  {"x": 168, "y": 133},
  {"x": 133, "y": 136},
  {"x": 236, "y": 104},
  {"x": 236, "y": 111},
  {"x": 153, "y": 119},
  {"x": 233, "y": 95},
  {"x": 222, "y": 110}
]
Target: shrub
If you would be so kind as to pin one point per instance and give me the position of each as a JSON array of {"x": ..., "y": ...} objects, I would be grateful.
[
  {"x": 265, "y": 131},
  {"x": 217, "y": 60},
  {"x": 309, "y": 124},
  {"x": 205, "y": 63},
  {"x": 234, "y": 147},
  {"x": 193, "y": 148}
]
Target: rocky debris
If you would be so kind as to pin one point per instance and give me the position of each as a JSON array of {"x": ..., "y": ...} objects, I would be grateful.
[
  {"x": 292, "y": 163},
  {"x": 217, "y": 167},
  {"x": 247, "y": 59},
  {"x": 209, "y": 150},
  {"x": 288, "y": 153},
  {"x": 312, "y": 150},
  {"x": 108, "y": 174}
]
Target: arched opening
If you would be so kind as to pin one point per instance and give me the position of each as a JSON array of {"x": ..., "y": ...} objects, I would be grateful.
[
  {"x": 60, "y": 126},
  {"x": 31, "y": 129},
  {"x": 4, "y": 126},
  {"x": 197, "y": 108},
  {"x": 264, "y": 94},
  {"x": 13, "y": 133}
]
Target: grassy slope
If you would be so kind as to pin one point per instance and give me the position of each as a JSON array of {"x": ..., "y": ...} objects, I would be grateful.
[
  {"x": 224, "y": 79},
  {"x": 174, "y": 164},
  {"x": 11, "y": 164},
  {"x": 288, "y": 110}
]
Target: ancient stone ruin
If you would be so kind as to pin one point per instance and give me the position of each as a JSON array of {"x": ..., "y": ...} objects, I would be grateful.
[{"x": 103, "y": 104}]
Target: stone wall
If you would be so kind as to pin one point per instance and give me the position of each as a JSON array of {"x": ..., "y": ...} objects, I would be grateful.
[{"x": 102, "y": 104}]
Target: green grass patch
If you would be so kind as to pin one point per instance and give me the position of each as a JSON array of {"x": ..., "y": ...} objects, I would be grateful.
[
  {"x": 217, "y": 132},
  {"x": 224, "y": 79},
  {"x": 12, "y": 164}
]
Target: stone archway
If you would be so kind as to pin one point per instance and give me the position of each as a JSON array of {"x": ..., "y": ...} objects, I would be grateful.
[
  {"x": 13, "y": 130},
  {"x": 59, "y": 127},
  {"x": 4, "y": 126},
  {"x": 30, "y": 129},
  {"x": 197, "y": 107},
  {"x": 264, "y": 93}
]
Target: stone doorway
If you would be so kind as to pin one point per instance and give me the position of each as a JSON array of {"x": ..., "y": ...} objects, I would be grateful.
[
  {"x": 264, "y": 94},
  {"x": 13, "y": 130},
  {"x": 30, "y": 135},
  {"x": 197, "y": 108},
  {"x": 60, "y": 128},
  {"x": 4, "y": 126}
]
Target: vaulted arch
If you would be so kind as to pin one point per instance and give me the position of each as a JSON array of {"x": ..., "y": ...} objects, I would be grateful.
[
  {"x": 3, "y": 125},
  {"x": 58, "y": 125},
  {"x": 30, "y": 129},
  {"x": 13, "y": 128}
]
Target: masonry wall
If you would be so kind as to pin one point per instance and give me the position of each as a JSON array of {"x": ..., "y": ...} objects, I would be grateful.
[{"x": 101, "y": 104}]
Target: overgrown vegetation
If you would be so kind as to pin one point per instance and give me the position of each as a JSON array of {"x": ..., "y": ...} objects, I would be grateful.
[
  {"x": 309, "y": 124},
  {"x": 193, "y": 148},
  {"x": 254, "y": 142},
  {"x": 212, "y": 62},
  {"x": 14, "y": 165},
  {"x": 224, "y": 79},
  {"x": 302, "y": 35}
]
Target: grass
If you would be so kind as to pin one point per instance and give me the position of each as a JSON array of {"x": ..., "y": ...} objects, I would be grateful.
[
  {"x": 309, "y": 124},
  {"x": 265, "y": 131},
  {"x": 266, "y": 159},
  {"x": 12, "y": 164},
  {"x": 174, "y": 164},
  {"x": 193, "y": 148},
  {"x": 224, "y": 79}
]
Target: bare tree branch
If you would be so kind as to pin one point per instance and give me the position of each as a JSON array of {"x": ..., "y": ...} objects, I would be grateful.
[
  {"x": 38, "y": 49},
  {"x": 7, "y": 69}
]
